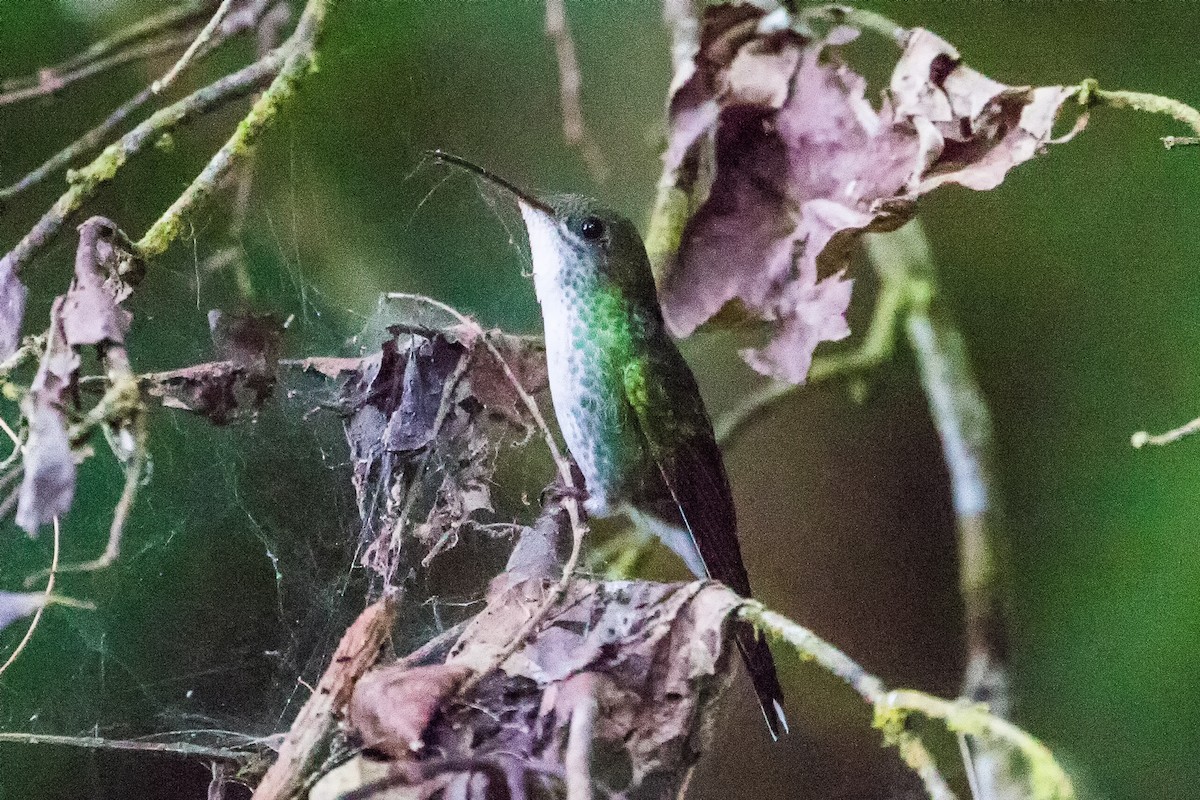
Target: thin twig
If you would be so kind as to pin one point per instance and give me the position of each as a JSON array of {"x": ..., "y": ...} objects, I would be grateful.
[
  {"x": 37, "y": 615},
  {"x": 87, "y": 181},
  {"x": 1143, "y": 438},
  {"x": 1170, "y": 142},
  {"x": 177, "y": 16},
  {"x": 178, "y": 749},
  {"x": 134, "y": 472},
  {"x": 52, "y": 83},
  {"x": 877, "y": 347},
  {"x": 810, "y": 647},
  {"x": 98, "y": 134},
  {"x": 963, "y": 423},
  {"x": 1047, "y": 780},
  {"x": 1091, "y": 94},
  {"x": 570, "y": 84},
  {"x": 201, "y": 40},
  {"x": 577, "y": 761},
  {"x": 297, "y": 57}
]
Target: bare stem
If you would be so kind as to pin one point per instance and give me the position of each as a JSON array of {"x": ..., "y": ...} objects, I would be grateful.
[
  {"x": 570, "y": 84},
  {"x": 1091, "y": 94},
  {"x": 37, "y": 615},
  {"x": 177, "y": 16},
  {"x": 87, "y": 181},
  {"x": 201, "y": 40},
  {"x": 94, "y": 137},
  {"x": 1142, "y": 438},
  {"x": 52, "y": 83},
  {"x": 877, "y": 347}
]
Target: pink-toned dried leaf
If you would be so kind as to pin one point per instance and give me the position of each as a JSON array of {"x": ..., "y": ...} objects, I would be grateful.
[
  {"x": 12, "y": 309},
  {"x": 48, "y": 485},
  {"x": 17, "y": 605},
  {"x": 488, "y": 382},
  {"x": 392, "y": 706},
  {"x": 91, "y": 312},
  {"x": 804, "y": 164}
]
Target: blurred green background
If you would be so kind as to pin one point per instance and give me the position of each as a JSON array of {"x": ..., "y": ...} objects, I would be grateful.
[{"x": 1074, "y": 283}]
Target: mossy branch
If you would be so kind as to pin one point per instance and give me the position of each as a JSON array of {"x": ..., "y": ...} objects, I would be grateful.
[
  {"x": 298, "y": 58},
  {"x": 1047, "y": 780}
]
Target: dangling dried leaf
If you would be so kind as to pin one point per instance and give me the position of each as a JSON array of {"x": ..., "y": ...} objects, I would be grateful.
[
  {"x": 17, "y": 605},
  {"x": 12, "y": 309},
  {"x": 88, "y": 314},
  {"x": 48, "y": 486},
  {"x": 803, "y": 164},
  {"x": 245, "y": 380}
]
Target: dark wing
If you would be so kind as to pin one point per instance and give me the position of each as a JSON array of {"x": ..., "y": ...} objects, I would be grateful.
[{"x": 695, "y": 493}]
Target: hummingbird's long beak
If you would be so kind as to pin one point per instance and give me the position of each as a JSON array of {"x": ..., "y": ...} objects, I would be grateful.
[{"x": 520, "y": 195}]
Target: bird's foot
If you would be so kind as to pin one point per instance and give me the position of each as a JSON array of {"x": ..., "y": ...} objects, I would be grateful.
[{"x": 559, "y": 491}]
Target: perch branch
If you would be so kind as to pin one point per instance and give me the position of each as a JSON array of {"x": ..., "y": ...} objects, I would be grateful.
[
  {"x": 317, "y": 720},
  {"x": 810, "y": 647}
]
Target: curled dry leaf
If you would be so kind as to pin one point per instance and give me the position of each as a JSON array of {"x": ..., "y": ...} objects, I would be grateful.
[
  {"x": 392, "y": 706},
  {"x": 48, "y": 486},
  {"x": 417, "y": 418},
  {"x": 12, "y": 309},
  {"x": 799, "y": 164},
  {"x": 88, "y": 314},
  {"x": 649, "y": 658},
  {"x": 244, "y": 380}
]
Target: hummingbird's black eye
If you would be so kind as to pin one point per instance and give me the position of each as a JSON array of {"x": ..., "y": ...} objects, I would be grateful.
[{"x": 591, "y": 229}]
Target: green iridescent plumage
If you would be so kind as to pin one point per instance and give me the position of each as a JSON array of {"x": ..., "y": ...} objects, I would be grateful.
[{"x": 627, "y": 402}]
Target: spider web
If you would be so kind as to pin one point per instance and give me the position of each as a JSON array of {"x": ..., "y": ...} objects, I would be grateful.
[{"x": 242, "y": 564}]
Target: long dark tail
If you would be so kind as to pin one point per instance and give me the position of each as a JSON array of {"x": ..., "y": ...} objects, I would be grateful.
[{"x": 756, "y": 654}]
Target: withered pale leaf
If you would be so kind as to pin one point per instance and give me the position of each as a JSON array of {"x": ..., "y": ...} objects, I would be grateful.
[
  {"x": 16, "y": 605},
  {"x": 802, "y": 164},
  {"x": 48, "y": 485},
  {"x": 12, "y": 309}
]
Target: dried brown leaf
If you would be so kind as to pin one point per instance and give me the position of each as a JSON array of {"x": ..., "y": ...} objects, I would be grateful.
[
  {"x": 392, "y": 706},
  {"x": 803, "y": 164}
]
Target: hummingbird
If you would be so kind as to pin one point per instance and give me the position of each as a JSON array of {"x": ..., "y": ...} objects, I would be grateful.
[{"x": 627, "y": 402}]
